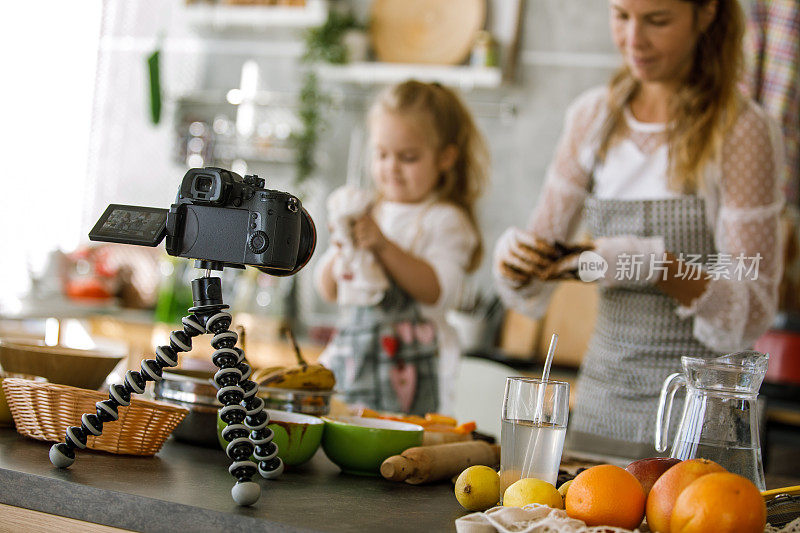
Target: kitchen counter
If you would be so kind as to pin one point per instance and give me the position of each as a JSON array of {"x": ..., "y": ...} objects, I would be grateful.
[{"x": 187, "y": 488}]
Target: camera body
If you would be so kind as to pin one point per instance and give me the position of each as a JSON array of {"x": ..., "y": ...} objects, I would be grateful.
[{"x": 220, "y": 217}]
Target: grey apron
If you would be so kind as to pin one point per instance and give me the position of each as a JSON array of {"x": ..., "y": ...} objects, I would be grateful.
[
  {"x": 373, "y": 350},
  {"x": 638, "y": 339}
]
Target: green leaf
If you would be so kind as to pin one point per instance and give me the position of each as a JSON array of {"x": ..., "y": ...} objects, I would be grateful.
[
  {"x": 323, "y": 44},
  {"x": 154, "y": 76}
]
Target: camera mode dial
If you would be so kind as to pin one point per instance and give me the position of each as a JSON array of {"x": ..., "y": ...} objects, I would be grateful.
[
  {"x": 258, "y": 242},
  {"x": 255, "y": 181}
]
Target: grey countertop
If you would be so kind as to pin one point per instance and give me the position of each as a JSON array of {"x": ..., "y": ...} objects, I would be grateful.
[{"x": 187, "y": 488}]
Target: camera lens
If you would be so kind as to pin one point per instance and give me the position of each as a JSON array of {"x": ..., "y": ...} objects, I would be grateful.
[
  {"x": 308, "y": 242},
  {"x": 203, "y": 184}
]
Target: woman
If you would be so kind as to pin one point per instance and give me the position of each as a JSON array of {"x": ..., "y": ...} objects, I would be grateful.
[{"x": 669, "y": 164}]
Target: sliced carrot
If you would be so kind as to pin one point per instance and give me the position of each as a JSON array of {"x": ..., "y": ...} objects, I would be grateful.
[
  {"x": 436, "y": 418},
  {"x": 414, "y": 419},
  {"x": 440, "y": 428},
  {"x": 467, "y": 427},
  {"x": 366, "y": 412}
]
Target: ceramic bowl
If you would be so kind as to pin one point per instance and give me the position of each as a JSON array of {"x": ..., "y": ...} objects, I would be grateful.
[
  {"x": 359, "y": 445},
  {"x": 297, "y": 435},
  {"x": 85, "y": 369}
]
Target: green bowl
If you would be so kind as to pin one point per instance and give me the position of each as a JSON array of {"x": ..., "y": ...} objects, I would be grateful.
[
  {"x": 359, "y": 445},
  {"x": 297, "y": 436}
]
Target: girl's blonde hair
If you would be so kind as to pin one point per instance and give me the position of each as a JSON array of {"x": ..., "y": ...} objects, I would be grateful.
[
  {"x": 452, "y": 124},
  {"x": 705, "y": 106}
]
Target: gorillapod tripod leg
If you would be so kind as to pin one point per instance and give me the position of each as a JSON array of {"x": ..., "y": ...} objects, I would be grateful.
[{"x": 242, "y": 411}]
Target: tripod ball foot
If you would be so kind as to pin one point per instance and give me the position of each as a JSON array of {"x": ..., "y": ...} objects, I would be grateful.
[
  {"x": 61, "y": 455},
  {"x": 246, "y": 492}
]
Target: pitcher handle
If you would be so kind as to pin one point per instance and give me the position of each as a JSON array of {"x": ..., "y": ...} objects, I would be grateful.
[{"x": 662, "y": 422}]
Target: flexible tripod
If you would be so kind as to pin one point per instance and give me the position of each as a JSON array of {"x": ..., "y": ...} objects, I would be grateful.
[{"x": 242, "y": 410}]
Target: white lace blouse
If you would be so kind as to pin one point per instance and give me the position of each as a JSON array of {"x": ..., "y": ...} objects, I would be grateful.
[{"x": 743, "y": 203}]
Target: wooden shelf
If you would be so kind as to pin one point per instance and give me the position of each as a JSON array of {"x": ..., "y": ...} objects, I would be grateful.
[
  {"x": 221, "y": 16},
  {"x": 375, "y": 73}
]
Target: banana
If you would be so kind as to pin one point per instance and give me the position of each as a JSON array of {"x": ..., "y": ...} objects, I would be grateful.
[
  {"x": 306, "y": 377},
  {"x": 301, "y": 376},
  {"x": 261, "y": 373}
]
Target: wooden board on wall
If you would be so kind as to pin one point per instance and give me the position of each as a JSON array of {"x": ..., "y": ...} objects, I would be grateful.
[
  {"x": 571, "y": 314},
  {"x": 519, "y": 335},
  {"x": 421, "y": 31}
]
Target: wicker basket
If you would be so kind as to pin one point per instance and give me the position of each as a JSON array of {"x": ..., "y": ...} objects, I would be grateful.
[{"x": 44, "y": 411}]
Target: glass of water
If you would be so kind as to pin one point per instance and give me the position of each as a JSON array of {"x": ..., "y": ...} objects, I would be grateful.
[{"x": 534, "y": 424}]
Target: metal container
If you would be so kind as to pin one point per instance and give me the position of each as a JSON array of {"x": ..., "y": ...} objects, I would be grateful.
[
  {"x": 194, "y": 390},
  {"x": 307, "y": 402}
]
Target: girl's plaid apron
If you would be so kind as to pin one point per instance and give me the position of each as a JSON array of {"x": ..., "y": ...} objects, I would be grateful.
[
  {"x": 385, "y": 356},
  {"x": 638, "y": 339},
  {"x": 373, "y": 350}
]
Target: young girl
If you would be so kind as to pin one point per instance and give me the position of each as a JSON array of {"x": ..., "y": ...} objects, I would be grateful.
[
  {"x": 429, "y": 165},
  {"x": 669, "y": 164}
]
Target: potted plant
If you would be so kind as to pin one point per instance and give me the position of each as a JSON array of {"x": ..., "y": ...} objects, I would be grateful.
[{"x": 326, "y": 43}]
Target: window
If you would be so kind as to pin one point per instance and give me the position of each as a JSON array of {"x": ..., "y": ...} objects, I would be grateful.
[{"x": 49, "y": 58}]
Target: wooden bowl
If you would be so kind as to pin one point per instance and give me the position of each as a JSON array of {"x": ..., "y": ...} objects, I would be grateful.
[{"x": 84, "y": 369}]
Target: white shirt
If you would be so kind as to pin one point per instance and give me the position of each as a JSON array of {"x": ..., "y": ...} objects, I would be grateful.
[
  {"x": 629, "y": 173},
  {"x": 438, "y": 233}
]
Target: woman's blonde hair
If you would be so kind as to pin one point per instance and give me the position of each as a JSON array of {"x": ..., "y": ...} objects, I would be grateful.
[
  {"x": 452, "y": 124},
  {"x": 705, "y": 106}
]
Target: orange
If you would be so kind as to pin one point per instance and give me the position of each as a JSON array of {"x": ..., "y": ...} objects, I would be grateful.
[
  {"x": 721, "y": 502},
  {"x": 667, "y": 488},
  {"x": 606, "y": 495}
]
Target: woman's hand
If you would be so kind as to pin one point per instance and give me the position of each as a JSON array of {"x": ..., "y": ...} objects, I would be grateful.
[
  {"x": 519, "y": 257},
  {"x": 630, "y": 259},
  {"x": 367, "y": 234}
]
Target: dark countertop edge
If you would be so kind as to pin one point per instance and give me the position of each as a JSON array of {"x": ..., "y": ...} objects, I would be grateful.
[{"x": 120, "y": 510}]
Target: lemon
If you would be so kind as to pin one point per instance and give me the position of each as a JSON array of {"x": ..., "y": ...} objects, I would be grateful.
[
  {"x": 532, "y": 490},
  {"x": 508, "y": 477},
  {"x": 564, "y": 488},
  {"x": 478, "y": 488}
]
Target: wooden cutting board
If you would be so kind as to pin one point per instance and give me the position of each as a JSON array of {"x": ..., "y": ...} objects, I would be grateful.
[{"x": 425, "y": 31}]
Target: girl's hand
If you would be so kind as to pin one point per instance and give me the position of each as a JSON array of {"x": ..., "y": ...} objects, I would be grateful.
[
  {"x": 367, "y": 234},
  {"x": 519, "y": 257}
]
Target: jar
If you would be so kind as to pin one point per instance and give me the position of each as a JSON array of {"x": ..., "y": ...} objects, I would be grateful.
[{"x": 484, "y": 50}]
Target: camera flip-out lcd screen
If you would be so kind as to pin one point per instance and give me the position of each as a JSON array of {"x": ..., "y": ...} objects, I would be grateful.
[{"x": 131, "y": 224}]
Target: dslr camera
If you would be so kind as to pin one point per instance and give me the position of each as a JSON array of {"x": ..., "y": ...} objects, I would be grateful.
[{"x": 220, "y": 217}]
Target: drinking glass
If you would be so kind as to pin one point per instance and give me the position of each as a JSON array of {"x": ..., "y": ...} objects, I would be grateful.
[{"x": 533, "y": 427}]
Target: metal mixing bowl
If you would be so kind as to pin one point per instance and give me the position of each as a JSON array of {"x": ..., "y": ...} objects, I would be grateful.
[
  {"x": 307, "y": 402},
  {"x": 194, "y": 390}
]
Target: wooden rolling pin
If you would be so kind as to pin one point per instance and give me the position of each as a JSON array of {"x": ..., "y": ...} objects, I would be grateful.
[{"x": 423, "y": 464}]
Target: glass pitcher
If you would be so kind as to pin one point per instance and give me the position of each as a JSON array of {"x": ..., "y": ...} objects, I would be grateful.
[{"x": 720, "y": 415}]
